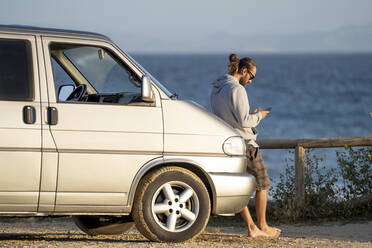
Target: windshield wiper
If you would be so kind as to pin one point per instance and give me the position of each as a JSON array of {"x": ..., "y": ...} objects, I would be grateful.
[{"x": 174, "y": 96}]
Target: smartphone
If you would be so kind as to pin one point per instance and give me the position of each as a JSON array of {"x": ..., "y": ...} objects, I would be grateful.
[{"x": 268, "y": 109}]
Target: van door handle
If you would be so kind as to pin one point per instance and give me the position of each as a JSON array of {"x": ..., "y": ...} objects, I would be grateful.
[
  {"x": 29, "y": 115},
  {"x": 52, "y": 116}
]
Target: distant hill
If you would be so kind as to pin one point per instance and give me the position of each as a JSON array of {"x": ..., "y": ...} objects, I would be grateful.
[
  {"x": 347, "y": 39},
  {"x": 350, "y": 39}
]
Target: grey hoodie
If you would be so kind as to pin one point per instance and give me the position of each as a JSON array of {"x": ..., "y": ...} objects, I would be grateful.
[{"x": 229, "y": 101}]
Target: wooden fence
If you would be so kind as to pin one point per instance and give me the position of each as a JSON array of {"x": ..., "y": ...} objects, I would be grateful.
[{"x": 300, "y": 144}]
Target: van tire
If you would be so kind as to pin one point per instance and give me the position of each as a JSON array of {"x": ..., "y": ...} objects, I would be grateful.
[
  {"x": 94, "y": 225},
  {"x": 163, "y": 216}
]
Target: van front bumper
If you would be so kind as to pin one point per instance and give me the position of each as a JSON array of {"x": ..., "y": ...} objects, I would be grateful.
[{"x": 233, "y": 191}]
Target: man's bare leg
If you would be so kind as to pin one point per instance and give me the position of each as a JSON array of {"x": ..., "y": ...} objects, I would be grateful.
[
  {"x": 261, "y": 204},
  {"x": 253, "y": 230}
]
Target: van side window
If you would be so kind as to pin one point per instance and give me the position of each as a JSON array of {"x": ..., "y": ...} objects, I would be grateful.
[
  {"x": 61, "y": 78},
  {"x": 98, "y": 75},
  {"x": 101, "y": 69},
  {"x": 16, "y": 80},
  {"x": 60, "y": 75}
]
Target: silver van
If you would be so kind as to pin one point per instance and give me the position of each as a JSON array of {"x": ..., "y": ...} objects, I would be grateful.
[{"x": 86, "y": 131}]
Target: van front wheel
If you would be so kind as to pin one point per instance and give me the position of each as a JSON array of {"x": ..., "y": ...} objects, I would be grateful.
[{"x": 171, "y": 205}]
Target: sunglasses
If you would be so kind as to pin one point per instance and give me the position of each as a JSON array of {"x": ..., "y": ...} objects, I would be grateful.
[{"x": 251, "y": 74}]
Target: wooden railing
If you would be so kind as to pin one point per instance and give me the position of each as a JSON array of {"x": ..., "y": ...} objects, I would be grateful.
[{"x": 300, "y": 144}]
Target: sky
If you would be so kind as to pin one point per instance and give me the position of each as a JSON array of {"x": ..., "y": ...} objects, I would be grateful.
[{"x": 207, "y": 25}]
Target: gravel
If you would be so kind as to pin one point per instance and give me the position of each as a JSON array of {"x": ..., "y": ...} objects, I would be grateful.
[{"x": 61, "y": 232}]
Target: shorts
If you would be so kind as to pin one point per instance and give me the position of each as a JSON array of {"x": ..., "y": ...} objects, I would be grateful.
[{"x": 257, "y": 167}]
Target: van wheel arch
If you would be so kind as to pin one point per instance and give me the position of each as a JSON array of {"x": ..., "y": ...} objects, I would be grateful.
[{"x": 195, "y": 169}]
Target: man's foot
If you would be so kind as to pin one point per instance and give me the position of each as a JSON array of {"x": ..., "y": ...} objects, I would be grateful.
[
  {"x": 271, "y": 231},
  {"x": 255, "y": 232}
]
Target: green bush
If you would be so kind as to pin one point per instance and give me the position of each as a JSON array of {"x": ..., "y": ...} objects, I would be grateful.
[
  {"x": 356, "y": 171},
  {"x": 330, "y": 193}
]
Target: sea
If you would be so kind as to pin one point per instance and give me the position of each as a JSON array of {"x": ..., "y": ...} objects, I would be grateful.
[{"x": 311, "y": 95}]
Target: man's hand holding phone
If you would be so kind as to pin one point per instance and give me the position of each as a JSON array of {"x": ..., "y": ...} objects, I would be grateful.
[{"x": 263, "y": 112}]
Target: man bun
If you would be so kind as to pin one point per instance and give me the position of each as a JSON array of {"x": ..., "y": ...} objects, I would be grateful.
[
  {"x": 233, "y": 58},
  {"x": 234, "y": 64}
]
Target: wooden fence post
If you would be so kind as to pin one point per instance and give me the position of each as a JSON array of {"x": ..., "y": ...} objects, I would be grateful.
[{"x": 300, "y": 172}]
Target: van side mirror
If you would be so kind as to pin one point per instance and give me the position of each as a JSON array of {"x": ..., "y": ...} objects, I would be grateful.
[
  {"x": 147, "y": 94},
  {"x": 64, "y": 91}
]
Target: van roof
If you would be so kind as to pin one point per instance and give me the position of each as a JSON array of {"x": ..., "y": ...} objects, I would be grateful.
[{"x": 50, "y": 31}]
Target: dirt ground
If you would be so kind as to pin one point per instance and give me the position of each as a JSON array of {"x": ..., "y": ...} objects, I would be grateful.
[{"x": 54, "y": 232}]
